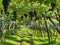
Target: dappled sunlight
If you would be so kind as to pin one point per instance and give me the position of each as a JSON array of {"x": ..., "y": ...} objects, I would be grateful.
[{"x": 29, "y": 22}]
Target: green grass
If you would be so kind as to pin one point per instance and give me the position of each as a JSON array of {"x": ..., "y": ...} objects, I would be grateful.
[{"x": 37, "y": 40}]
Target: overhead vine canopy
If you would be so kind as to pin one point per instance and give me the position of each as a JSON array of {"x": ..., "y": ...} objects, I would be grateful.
[{"x": 28, "y": 4}]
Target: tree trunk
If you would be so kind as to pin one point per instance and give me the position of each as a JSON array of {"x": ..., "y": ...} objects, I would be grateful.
[
  {"x": 55, "y": 25},
  {"x": 47, "y": 28}
]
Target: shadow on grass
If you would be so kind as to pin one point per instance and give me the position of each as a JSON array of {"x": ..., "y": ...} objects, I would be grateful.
[
  {"x": 25, "y": 40},
  {"x": 41, "y": 40},
  {"x": 15, "y": 39},
  {"x": 5, "y": 43},
  {"x": 12, "y": 38},
  {"x": 57, "y": 43},
  {"x": 51, "y": 43},
  {"x": 44, "y": 44}
]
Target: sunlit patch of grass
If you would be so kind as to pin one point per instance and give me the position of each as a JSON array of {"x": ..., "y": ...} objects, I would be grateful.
[
  {"x": 58, "y": 39},
  {"x": 39, "y": 42},
  {"x": 16, "y": 37},
  {"x": 25, "y": 38},
  {"x": 11, "y": 41},
  {"x": 25, "y": 43}
]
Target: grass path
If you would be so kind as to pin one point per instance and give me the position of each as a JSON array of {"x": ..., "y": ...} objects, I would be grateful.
[{"x": 16, "y": 39}]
